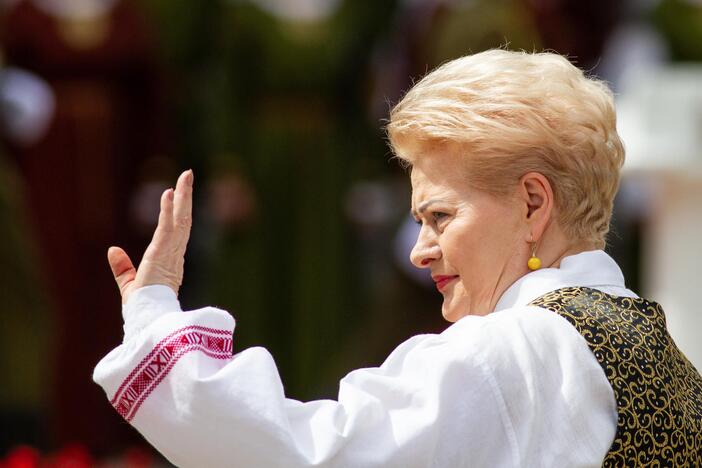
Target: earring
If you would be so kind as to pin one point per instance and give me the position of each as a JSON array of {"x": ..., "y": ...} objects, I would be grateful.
[{"x": 534, "y": 262}]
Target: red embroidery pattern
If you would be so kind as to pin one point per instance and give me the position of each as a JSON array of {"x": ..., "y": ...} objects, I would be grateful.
[{"x": 145, "y": 377}]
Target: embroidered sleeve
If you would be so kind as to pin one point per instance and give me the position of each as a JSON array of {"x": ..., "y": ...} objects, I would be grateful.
[
  {"x": 145, "y": 377},
  {"x": 472, "y": 396},
  {"x": 175, "y": 380}
]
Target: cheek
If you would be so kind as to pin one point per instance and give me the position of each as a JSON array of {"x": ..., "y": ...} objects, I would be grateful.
[
  {"x": 467, "y": 247},
  {"x": 461, "y": 255},
  {"x": 455, "y": 250},
  {"x": 478, "y": 253}
]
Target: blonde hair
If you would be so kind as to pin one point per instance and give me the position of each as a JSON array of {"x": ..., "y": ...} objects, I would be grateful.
[{"x": 512, "y": 113}]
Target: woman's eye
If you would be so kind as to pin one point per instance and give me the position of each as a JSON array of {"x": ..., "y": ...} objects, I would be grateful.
[{"x": 438, "y": 216}]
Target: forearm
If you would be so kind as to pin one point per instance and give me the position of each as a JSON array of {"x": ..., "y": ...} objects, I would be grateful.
[{"x": 174, "y": 379}]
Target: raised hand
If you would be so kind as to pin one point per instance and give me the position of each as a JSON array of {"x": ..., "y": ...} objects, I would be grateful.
[{"x": 163, "y": 260}]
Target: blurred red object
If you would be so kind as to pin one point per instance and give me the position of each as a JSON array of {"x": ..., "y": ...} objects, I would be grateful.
[
  {"x": 138, "y": 457},
  {"x": 22, "y": 457},
  {"x": 71, "y": 456}
]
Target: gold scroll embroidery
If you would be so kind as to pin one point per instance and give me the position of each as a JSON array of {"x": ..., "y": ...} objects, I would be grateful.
[{"x": 658, "y": 391}]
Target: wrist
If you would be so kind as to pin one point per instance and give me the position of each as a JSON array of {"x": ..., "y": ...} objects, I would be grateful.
[{"x": 145, "y": 305}]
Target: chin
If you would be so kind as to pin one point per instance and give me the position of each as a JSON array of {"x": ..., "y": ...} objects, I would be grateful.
[
  {"x": 450, "y": 314},
  {"x": 454, "y": 310}
]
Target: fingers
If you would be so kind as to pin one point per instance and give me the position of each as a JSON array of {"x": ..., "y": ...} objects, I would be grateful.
[
  {"x": 182, "y": 209},
  {"x": 165, "y": 217},
  {"x": 162, "y": 262},
  {"x": 122, "y": 268},
  {"x": 163, "y": 235}
]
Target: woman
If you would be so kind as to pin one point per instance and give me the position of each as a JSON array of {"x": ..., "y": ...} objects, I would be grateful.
[{"x": 514, "y": 165}]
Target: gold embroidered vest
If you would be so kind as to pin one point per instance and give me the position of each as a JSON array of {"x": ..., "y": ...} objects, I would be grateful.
[{"x": 658, "y": 391}]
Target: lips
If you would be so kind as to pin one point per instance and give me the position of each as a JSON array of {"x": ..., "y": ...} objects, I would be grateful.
[{"x": 442, "y": 280}]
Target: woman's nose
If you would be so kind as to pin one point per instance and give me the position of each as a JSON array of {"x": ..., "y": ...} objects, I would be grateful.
[{"x": 424, "y": 252}]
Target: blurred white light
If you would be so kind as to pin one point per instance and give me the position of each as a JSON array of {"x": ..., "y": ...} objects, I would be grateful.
[
  {"x": 27, "y": 106},
  {"x": 76, "y": 9},
  {"x": 659, "y": 117},
  {"x": 299, "y": 10}
]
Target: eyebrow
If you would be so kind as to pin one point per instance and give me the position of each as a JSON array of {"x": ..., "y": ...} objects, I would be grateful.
[{"x": 424, "y": 206}]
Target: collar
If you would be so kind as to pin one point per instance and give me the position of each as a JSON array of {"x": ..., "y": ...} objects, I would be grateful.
[{"x": 593, "y": 269}]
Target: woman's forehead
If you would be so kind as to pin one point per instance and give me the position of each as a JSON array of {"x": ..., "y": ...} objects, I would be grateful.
[
  {"x": 439, "y": 184},
  {"x": 437, "y": 171}
]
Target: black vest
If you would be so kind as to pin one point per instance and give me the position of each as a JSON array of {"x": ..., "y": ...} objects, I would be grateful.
[{"x": 658, "y": 391}]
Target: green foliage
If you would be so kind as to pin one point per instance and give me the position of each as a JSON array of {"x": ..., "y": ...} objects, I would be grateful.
[
  {"x": 681, "y": 23},
  {"x": 24, "y": 321}
]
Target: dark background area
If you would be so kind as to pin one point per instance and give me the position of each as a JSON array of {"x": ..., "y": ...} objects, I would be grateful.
[{"x": 300, "y": 215}]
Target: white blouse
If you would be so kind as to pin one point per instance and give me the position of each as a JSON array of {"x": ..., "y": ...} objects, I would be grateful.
[{"x": 518, "y": 387}]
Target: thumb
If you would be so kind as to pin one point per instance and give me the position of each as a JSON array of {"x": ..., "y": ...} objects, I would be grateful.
[{"x": 122, "y": 268}]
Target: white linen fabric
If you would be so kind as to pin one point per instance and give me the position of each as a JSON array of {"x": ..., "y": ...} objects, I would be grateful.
[{"x": 518, "y": 387}]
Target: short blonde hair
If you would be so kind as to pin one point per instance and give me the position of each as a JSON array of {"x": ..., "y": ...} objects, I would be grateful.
[{"x": 512, "y": 113}]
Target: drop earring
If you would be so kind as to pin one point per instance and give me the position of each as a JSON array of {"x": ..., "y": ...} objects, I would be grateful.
[{"x": 534, "y": 262}]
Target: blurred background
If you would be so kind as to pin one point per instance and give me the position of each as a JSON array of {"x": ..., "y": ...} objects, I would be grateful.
[{"x": 301, "y": 226}]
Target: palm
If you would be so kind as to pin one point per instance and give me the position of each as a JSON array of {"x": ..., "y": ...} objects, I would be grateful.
[{"x": 163, "y": 260}]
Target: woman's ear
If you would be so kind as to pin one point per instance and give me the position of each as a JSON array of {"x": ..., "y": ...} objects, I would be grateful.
[{"x": 536, "y": 196}]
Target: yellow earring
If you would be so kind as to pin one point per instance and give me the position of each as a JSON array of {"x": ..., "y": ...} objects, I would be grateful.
[{"x": 534, "y": 262}]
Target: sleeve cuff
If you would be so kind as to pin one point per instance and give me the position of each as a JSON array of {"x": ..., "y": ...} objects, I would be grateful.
[{"x": 146, "y": 305}]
